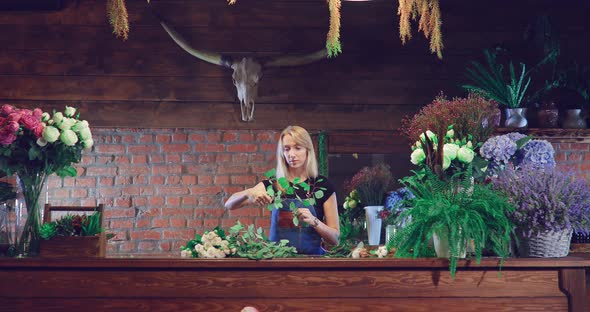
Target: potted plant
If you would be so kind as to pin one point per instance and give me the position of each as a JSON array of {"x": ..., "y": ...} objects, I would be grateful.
[
  {"x": 509, "y": 90},
  {"x": 73, "y": 236},
  {"x": 369, "y": 186},
  {"x": 459, "y": 213},
  {"x": 549, "y": 204}
]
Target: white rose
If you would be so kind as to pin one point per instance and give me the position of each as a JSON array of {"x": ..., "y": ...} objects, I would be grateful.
[
  {"x": 450, "y": 150},
  {"x": 45, "y": 117},
  {"x": 465, "y": 155},
  {"x": 186, "y": 253},
  {"x": 69, "y": 111},
  {"x": 67, "y": 123},
  {"x": 80, "y": 125},
  {"x": 85, "y": 134},
  {"x": 57, "y": 118},
  {"x": 431, "y": 136},
  {"x": 450, "y": 133},
  {"x": 87, "y": 144},
  {"x": 381, "y": 251},
  {"x": 417, "y": 156},
  {"x": 69, "y": 138},
  {"x": 446, "y": 162},
  {"x": 356, "y": 253},
  {"x": 50, "y": 134}
]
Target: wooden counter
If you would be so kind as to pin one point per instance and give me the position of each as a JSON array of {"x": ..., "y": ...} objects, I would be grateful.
[{"x": 297, "y": 284}]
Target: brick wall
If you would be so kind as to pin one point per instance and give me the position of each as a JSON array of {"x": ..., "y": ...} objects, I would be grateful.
[{"x": 160, "y": 186}]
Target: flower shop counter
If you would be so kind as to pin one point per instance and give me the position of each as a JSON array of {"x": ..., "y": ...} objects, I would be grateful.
[{"x": 294, "y": 284}]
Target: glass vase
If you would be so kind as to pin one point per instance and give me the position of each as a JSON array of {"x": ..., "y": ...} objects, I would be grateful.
[{"x": 31, "y": 187}]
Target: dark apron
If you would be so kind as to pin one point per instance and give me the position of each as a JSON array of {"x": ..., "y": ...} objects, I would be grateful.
[{"x": 304, "y": 238}]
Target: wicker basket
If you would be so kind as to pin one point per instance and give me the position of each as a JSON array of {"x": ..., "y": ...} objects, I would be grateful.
[{"x": 546, "y": 245}]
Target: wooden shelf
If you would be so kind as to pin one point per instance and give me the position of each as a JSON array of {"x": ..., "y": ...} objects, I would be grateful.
[{"x": 555, "y": 135}]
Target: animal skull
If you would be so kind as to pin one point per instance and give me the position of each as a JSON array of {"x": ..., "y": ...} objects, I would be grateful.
[
  {"x": 247, "y": 72},
  {"x": 246, "y": 75}
]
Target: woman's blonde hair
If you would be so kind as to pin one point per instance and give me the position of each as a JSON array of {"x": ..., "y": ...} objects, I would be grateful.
[{"x": 303, "y": 139}]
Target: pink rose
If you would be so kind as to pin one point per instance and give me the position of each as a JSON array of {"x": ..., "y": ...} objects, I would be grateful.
[
  {"x": 6, "y": 109},
  {"x": 38, "y": 131},
  {"x": 30, "y": 122},
  {"x": 7, "y": 137},
  {"x": 15, "y": 116},
  {"x": 37, "y": 112},
  {"x": 13, "y": 126},
  {"x": 27, "y": 112}
]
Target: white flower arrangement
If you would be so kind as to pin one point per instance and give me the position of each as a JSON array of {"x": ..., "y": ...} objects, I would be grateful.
[{"x": 212, "y": 244}]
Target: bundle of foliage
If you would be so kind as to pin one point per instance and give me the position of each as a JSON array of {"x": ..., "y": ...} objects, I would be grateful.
[
  {"x": 371, "y": 184},
  {"x": 546, "y": 199},
  {"x": 253, "y": 244},
  {"x": 242, "y": 242},
  {"x": 72, "y": 225},
  {"x": 467, "y": 212},
  {"x": 280, "y": 189}
]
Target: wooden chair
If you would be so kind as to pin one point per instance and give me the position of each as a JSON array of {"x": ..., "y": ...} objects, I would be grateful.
[{"x": 69, "y": 249}]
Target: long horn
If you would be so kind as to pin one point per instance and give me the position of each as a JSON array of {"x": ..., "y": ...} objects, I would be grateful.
[
  {"x": 207, "y": 56},
  {"x": 297, "y": 60}
]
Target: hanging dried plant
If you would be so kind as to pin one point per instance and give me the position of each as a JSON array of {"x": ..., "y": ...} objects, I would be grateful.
[
  {"x": 333, "y": 39},
  {"x": 428, "y": 10},
  {"x": 118, "y": 18},
  {"x": 429, "y": 23}
]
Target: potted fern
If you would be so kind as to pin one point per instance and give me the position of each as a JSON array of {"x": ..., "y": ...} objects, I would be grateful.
[{"x": 458, "y": 212}]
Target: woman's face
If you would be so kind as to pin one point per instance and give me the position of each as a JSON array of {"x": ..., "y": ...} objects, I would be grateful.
[{"x": 294, "y": 154}]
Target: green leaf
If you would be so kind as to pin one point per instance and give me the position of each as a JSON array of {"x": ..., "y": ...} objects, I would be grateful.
[
  {"x": 305, "y": 186},
  {"x": 319, "y": 194},
  {"x": 271, "y": 173},
  {"x": 283, "y": 182},
  {"x": 35, "y": 152},
  {"x": 295, "y": 220},
  {"x": 270, "y": 191},
  {"x": 67, "y": 172}
]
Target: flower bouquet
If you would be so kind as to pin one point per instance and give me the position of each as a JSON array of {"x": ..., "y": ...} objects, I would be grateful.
[
  {"x": 456, "y": 155},
  {"x": 34, "y": 145},
  {"x": 246, "y": 242}
]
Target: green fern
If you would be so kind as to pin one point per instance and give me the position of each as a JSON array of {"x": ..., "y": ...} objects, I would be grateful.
[{"x": 467, "y": 212}]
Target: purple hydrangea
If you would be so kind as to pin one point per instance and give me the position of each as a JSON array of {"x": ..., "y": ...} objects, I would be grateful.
[
  {"x": 536, "y": 153},
  {"x": 515, "y": 136},
  {"x": 498, "y": 149},
  {"x": 394, "y": 200}
]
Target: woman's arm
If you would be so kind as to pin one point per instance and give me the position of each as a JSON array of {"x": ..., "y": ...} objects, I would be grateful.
[
  {"x": 330, "y": 230},
  {"x": 254, "y": 195}
]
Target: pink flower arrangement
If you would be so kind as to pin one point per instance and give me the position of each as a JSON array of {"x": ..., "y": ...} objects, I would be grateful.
[
  {"x": 11, "y": 119},
  {"x": 34, "y": 145}
]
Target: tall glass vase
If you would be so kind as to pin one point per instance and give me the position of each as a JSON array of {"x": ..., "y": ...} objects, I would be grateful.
[{"x": 31, "y": 185}]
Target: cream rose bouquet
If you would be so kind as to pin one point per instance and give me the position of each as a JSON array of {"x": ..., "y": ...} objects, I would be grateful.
[
  {"x": 34, "y": 145},
  {"x": 458, "y": 155},
  {"x": 212, "y": 244}
]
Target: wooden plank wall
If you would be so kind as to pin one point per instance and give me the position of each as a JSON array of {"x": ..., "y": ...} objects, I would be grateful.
[{"x": 70, "y": 56}]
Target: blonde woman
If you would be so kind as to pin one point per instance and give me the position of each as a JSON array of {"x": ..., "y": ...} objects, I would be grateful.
[{"x": 296, "y": 159}]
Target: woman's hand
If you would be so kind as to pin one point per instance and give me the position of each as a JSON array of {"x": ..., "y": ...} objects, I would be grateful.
[
  {"x": 259, "y": 197},
  {"x": 306, "y": 216}
]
